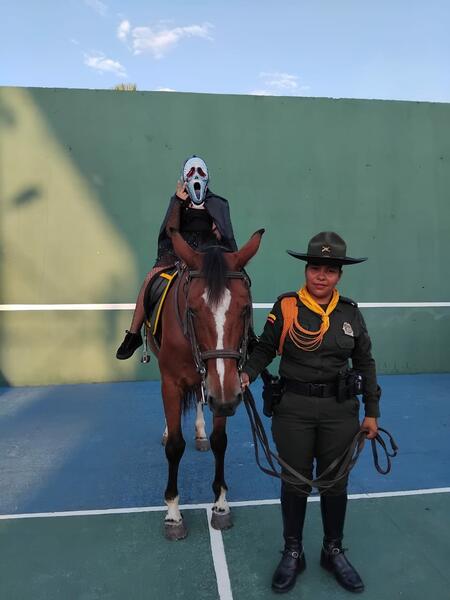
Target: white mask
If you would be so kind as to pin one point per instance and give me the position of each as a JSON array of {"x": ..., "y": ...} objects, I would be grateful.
[{"x": 196, "y": 177}]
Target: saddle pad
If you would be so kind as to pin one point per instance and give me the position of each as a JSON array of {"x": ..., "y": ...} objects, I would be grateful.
[{"x": 154, "y": 296}]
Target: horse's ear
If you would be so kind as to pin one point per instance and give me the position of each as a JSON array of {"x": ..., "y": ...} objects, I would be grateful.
[
  {"x": 184, "y": 251},
  {"x": 249, "y": 250}
]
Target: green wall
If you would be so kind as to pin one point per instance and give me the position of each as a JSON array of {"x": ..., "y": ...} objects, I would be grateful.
[{"x": 85, "y": 177}]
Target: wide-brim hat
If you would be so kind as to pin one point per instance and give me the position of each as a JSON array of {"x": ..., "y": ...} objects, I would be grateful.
[{"x": 327, "y": 247}]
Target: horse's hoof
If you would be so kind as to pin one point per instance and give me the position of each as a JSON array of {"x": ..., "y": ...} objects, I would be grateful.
[
  {"x": 202, "y": 444},
  {"x": 221, "y": 520},
  {"x": 175, "y": 530},
  {"x": 164, "y": 440}
]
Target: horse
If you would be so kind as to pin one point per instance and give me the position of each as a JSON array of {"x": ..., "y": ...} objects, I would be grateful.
[
  {"x": 201, "y": 439},
  {"x": 204, "y": 333}
]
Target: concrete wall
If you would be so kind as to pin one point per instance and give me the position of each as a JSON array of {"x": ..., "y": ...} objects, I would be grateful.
[{"x": 85, "y": 177}]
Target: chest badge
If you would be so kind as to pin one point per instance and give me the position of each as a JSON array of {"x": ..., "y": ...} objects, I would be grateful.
[{"x": 347, "y": 328}]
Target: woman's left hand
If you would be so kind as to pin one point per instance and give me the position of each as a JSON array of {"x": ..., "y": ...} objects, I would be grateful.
[{"x": 371, "y": 426}]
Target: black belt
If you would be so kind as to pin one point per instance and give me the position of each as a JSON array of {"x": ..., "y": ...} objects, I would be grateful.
[{"x": 321, "y": 390}]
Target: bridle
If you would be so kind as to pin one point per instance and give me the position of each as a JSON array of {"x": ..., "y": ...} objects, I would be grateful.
[{"x": 187, "y": 322}]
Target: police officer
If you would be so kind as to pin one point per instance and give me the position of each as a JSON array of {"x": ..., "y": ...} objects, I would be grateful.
[{"x": 316, "y": 331}]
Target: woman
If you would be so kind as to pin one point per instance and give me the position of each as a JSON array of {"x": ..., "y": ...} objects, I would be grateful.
[
  {"x": 316, "y": 331},
  {"x": 202, "y": 218}
]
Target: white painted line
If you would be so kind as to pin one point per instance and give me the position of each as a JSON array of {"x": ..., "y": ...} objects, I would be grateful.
[
  {"x": 402, "y": 304},
  {"x": 206, "y": 506},
  {"x": 88, "y": 513},
  {"x": 256, "y": 305},
  {"x": 444, "y": 490},
  {"x": 219, "y": 560},
  {"x": 32, "y": 307},
  {"x": 265, "y": 502},
  {"x": 380, "y": 304}
]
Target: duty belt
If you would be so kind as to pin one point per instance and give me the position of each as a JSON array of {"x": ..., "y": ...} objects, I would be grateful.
[{"x": 321, "y": 390}]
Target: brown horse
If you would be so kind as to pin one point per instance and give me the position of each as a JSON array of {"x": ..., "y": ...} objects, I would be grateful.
[{"x": 205, "y": 325}]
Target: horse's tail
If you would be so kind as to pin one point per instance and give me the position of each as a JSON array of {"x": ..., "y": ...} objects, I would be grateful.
[{"x": 189, "y": 400}]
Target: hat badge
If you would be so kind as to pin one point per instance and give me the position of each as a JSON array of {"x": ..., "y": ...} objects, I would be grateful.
[{"x": 326, "y": 250}]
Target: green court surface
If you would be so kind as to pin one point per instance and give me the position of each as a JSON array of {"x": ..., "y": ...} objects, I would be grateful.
[{"x": 400, "y": 545}]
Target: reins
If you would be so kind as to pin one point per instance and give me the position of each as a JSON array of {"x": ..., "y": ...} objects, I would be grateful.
[{"x": 343, "y": 463}]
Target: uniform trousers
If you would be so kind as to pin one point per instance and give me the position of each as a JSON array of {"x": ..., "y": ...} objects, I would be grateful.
[{"x": 309, "y": 431}]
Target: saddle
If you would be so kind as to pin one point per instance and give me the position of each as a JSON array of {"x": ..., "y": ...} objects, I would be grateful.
[{"x": 154, "y": 296}]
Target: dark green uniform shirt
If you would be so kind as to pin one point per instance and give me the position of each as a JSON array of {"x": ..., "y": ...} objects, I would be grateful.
[{"x": 346, "y": 338}]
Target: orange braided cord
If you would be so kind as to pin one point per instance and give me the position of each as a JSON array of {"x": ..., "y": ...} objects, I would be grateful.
[
  {"x": 303, "y": 338},
  {"x": 289, "y": 310}
]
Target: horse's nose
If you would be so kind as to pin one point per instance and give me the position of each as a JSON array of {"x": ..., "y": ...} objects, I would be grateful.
[{"x": 227, "y": 409}]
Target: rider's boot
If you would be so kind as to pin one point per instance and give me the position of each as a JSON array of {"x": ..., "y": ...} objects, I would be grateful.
[{"x": 131, "y": 342}]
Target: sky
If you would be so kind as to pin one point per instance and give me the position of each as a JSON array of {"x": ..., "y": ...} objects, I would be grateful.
[{"x": 385, "y": 49}]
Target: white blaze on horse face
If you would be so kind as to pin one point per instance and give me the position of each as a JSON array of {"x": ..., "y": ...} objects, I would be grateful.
[
  {"x": 219, "y": 313},
  {"x": 173, "y": 511}
]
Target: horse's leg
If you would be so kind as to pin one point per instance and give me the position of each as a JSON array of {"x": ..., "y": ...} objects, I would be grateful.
[
  {"x": 221, "y": 515},
  {"x": 201, "y": 441},
  {"x": 164, "y": 435},
  {"x": 174, "y": 527}
]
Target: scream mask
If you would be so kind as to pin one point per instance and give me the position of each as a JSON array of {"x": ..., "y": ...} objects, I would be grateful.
[{"x": 195, "y": 175}]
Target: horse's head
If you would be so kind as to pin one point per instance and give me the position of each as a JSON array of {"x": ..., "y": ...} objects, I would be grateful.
[{"x": 218, "y": 313}]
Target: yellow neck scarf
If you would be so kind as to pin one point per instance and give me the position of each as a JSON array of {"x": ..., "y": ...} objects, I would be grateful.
[{"x": 311, "y": 340}]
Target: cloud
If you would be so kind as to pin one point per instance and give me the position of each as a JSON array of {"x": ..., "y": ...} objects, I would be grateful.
[
  {"x": 262, "y": 93},
  {"x": 123, "y": 30},
  {"x": 100, "y": 63},
  {"x": 98, "y": 6},
  {"x": 165, "y": 89},
  {"x": 281, "y": 83},
  {"x": 159, "y": 39}
]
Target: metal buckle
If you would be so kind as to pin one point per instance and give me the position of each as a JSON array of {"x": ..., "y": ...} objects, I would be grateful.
[
  {"x": 317, "y": 389},
  {"x": 203, "y": 392}
]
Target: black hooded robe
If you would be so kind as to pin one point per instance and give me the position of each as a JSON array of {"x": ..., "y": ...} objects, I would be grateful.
[{"x": 219, "y": 210}]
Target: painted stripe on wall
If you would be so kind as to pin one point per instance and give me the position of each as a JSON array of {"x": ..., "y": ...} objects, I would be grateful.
[{"x": 266, "y": 305}]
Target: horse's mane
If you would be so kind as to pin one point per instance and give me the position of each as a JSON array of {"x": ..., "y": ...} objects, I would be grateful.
[{"x": 214, "y": 271}]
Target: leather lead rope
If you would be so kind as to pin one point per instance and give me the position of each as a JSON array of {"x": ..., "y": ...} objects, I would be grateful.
[{"x": 342, "y": 465}]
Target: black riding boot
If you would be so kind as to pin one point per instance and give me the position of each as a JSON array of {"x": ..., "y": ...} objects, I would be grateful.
[
  {"x": 131, "y": 342},
  {"x": 332, "y": 556},
  {"x": 293, "y": 562}
]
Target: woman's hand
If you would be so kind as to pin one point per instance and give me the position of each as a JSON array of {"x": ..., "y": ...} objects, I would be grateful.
[
  {"x": 181, "y": 192},
  {"x": 371, "y": 426},
  {"x": 245, "y": 380}
]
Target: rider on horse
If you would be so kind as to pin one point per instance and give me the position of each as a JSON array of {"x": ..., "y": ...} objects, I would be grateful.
[{"x": 202, "y": 218}]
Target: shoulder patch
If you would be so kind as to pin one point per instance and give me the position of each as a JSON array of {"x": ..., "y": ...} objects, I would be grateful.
[
  {"x": 348, "y": 301},
  {"x": 288, "y": 295}
]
